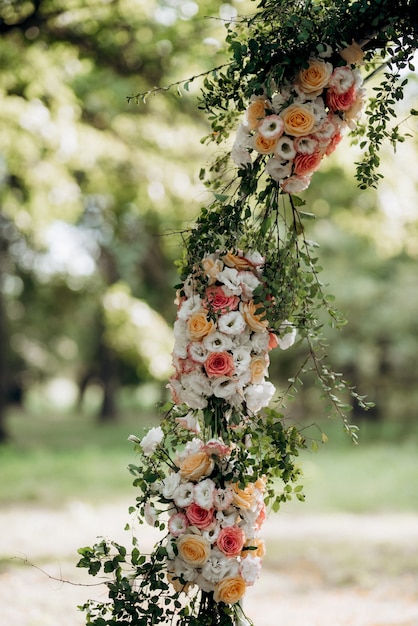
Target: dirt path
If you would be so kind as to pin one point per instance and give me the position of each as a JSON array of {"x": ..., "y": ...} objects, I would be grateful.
[{"x": 328, "y": 570}]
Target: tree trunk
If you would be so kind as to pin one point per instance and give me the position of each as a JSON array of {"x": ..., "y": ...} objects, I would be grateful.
[{"x": 109, "y": 377}]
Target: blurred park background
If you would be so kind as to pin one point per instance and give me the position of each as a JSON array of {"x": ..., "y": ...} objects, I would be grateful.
[{"x": 95, "y": 191}]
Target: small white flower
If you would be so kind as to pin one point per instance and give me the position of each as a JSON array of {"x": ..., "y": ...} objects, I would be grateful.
[
  {"x": 223, "y": 498},
  {"x": 180, "y": 339},
  {"x": 250, "y": 569},
  {"x": 218, "y": 567},
  {"x": 187, "y": 572},
  {"x": 278, "y": 169},
  {"x": 184, "y": 495},
  {"x": 217, "y": 342},
  {"x": 224, "y": 387},
  {"x": 295, "y": 184},
  {"x": 189, "y": 422},
  {"x": 170, "y": 484},
  {"x": 232, "y": 323},
  {"x": 342, "y": 79},
  {"x": 260, "y": 342},
  {"x": 189, "y": 306},
  {"x": 288, "y": 335},
  {"x": 285, "y": 149},
  {"x": 248, "y": 282},
  {"x": 242, "y": 359},
  {"x": 271, "y": 126},
  {"x": 258, "y": 396},
  {"x": 151, "y": 440},
  {"x": 197, "y": 351},
  {"x": 226, "y": 518},
  {"x": 211, "y": 533},
  {"x": 306, "y": 145},
  {"x": 239, "y": 153},
  {"x": 230, "y": 278},
  {"x": 204, "y": 493},
  {"x": 204, "y": 584}
]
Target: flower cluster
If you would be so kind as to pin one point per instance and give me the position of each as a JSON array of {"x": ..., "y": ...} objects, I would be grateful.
[
  {"x": 213, "y": 525},
  {"x": 301, "y": 123},
  {"x": 222, "y": 337}
]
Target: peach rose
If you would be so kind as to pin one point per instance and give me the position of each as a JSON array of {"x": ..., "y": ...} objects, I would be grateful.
[
  {"x": 196, "y": 466},
  {"x": 298, "y": 120},
  {"x": 341, "y": 101},
  {"x": 352, "y": 54},
  {"x": 193, "y": 549},
  {"x": 254, "y": 547},
  {"x": 201, "y": 518},
  {"x": 314, "y": 78},
  {"x": 258, "y": 368},
  {"x": 236, "y": 261},
  {"x": 217, "y": 300},
  {"x": 212, "y": 266},
  {"x": 305, "y": 164},
  {"x": 255, "y": 113},
  {"x": 244, "y": 498},
  {"x": 219, "y": 364},
  {"x": 333, "y": 143},
  {"x": 255, "y": 320},
  {"x": 230, "y": 590},
  {"x": 199, "y": 326},
  {"x": 264, "y": 145},
  {"x": 230, "y": 540}
]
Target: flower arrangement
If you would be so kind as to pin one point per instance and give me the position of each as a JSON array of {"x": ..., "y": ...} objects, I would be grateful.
[
  {"x": 222, "y": 457},
  {"x": 222, "y": 336},
  {"x": 302, "y": 122}
]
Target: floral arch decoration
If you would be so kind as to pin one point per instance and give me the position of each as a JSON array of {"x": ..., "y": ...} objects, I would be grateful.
[{"x": 206, "y": 477}]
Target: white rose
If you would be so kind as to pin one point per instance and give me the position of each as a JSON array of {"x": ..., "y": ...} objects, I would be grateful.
[{"x": 151, "y": 440}]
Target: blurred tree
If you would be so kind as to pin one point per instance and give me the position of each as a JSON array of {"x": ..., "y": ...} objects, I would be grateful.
[{"x": 90, "y": 183}]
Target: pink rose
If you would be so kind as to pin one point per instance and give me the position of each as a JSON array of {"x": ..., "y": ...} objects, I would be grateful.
[
  {"x": 341, "y": 101},
  {"x": 217, "y": 300},
  {"x": 199, "y": 517},
  {"x": 305, "y": 164},
  {"x": 231, "y": 540},
  {"x": 333, "y": 143},
  {"x": 219, "y": 364}
]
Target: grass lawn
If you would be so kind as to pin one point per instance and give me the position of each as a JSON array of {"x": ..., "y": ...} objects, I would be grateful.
[{"x": 56, "y": 458}]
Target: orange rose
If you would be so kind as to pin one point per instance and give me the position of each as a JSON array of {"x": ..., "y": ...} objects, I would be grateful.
[
  {"x": 258, "y": 548},
  {"x": 258, "y": 367},
  {"x": 196, "y": 465},
  {"x": 256, "y": 321},
  {"x": 315, "y": 77},
  {"x": 230, "y": 590},
  {"x": 298, "y": 120},
  {"x": 244, "y": 498},
  {"x": 264, "y": 145},
  {"x": 193, "y": 549},
  {"x": 255, "y": 113},
  {"x": 199, "y": 326}
]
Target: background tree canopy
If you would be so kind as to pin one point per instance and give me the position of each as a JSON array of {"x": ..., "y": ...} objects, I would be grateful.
[{"x": 91, "y": 185}]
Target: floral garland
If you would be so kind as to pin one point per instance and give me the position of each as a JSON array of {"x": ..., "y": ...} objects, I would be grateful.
[
  {"x": 207, "y": 476},
  {"x": 303, "y": 121}
]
